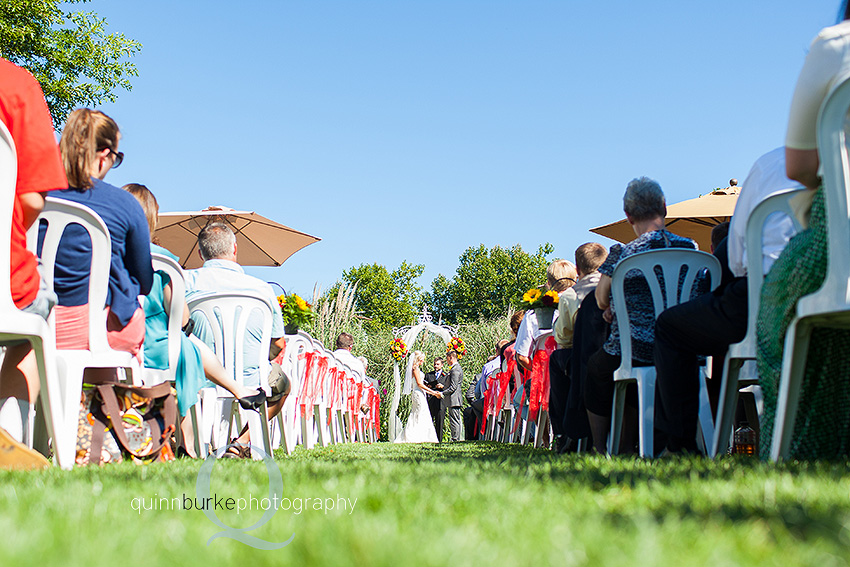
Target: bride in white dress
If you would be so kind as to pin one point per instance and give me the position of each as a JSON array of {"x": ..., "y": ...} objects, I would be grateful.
[{"x": 419, "y": 427}]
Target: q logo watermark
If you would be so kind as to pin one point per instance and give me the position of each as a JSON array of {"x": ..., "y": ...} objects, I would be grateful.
[{"x": 202, "y": 491}]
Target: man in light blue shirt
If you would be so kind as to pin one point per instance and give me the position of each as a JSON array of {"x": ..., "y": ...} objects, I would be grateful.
[{"x": 221, "y": 274}]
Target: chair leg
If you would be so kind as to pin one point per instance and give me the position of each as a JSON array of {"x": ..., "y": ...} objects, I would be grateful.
[
  {"x": 200, "y": 446},
  {"x": 793, "y": 368},
  {"x": 726, "y": 407},
  {"x": 306, "y": 429},
  {"x": 542, "y": 424},
  {"x": 706, "y": 422},
  {"x": 646, "y": 401},
  {"x": 258, "y": 426},
  {"x": 319, "y": 418},
  {"x": 617, "y": 408},
  {"x": 65, "y": 438}
]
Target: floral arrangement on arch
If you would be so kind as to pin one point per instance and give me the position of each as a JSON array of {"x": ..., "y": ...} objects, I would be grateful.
[
  {"x": 458, "y": 345},
  {"x": 295, "y": 310},
  {"x": 398, "y": 349},
  {"x": 534, "y": 298}
]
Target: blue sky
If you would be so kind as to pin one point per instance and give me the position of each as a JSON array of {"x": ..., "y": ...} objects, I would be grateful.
[{"x": 410, "y": 130}]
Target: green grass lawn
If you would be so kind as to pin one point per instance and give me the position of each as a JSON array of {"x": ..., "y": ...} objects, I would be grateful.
[{"x": 461, "y": 504}]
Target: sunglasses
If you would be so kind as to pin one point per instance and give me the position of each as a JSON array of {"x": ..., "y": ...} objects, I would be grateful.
[{"x": 119, "y": 158}]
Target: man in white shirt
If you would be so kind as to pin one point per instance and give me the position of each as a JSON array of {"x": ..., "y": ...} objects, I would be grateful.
[
  {"x": 708, "y": 324},
  {"x": 344, "y": 346}
]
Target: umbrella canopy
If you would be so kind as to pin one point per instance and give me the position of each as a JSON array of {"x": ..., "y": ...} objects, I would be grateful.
[
  {"x": 259, "y": 241},
  {"x": 693, "y": 218}
]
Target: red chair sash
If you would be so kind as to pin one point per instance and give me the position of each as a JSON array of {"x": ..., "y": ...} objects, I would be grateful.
[{"x": 539, "y": 395}]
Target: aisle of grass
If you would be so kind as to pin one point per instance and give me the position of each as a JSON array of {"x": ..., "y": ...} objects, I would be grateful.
[{"x": 463, "y": 504}]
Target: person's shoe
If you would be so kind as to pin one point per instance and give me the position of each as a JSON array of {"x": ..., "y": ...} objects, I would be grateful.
[
  {"x": 237, "y": 451},
  {"x": 15, "y": 455},
  {"x": 253, "y": 402}
]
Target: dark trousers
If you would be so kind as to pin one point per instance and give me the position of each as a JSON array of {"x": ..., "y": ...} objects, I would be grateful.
[
  {"x": 434, "y": 404},
  {"x": 559, "y": 388},
  {"x": 707, "y": 325},
  {"x": 599, "y": 388},
  {"x": 455, "y": 414},
  {"x": 472, "y": 416}
]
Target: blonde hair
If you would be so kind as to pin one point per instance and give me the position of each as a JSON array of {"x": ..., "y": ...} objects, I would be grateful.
[
  {"x": 561, "y": 275},
  {"x": 148, "y": 202},
  {"x": 86, "y": 132},
  {"x": 418, "y": 354}
]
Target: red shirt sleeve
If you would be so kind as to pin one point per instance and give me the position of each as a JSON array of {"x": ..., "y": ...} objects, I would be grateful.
[{"x": 24, "y": 112}]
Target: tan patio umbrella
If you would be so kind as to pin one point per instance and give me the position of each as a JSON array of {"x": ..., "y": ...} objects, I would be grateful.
[
  {"x": 693, "y": 218},
  {"x": 259, "y": 241}
]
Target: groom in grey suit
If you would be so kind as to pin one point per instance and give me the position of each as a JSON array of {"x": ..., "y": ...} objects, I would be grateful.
[{"x": 451, "y": 399}]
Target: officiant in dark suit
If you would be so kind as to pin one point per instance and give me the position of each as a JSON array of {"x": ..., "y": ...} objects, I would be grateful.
[{"x": 431, "y": 380}]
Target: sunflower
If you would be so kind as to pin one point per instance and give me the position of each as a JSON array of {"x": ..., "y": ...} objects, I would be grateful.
[
  {"x": 549, "y": 298},
  {"x": 531, "y": 295}
]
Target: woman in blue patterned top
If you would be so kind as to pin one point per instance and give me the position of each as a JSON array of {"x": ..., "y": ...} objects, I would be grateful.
[{"x": 645, "y": 209}]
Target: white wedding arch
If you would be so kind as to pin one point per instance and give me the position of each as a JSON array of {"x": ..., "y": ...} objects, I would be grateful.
[{"x": 408, "y": 334}]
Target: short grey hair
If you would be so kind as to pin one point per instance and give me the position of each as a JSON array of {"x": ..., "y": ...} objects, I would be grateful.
[
  {"x": 644, "y": 199},
  {"x": 216, "y": 240}
]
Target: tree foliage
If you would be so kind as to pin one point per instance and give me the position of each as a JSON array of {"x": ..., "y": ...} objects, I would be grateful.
[
  {"x": 384, "y": 299},
  {"x": 70, "y": 53},
  {"x": 488, "y": 282}
]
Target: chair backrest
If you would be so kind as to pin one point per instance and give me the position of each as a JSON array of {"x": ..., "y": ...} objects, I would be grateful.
[
  {"x": 58, "y": 214},
  {"x": 834, "y": 295},
  {"x": 778, "y": 203},
  {"x": 174, "y": 272},
  {"x": 540, "y": 341},
  {"x": 8, "y": 181},
  {"x": 227, "y": 314},
  {"x": 671, "y": 261}
]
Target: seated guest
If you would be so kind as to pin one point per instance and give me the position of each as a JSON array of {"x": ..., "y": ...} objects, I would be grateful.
[
  {"x": 509, "y": 361},
  {"x": 196, "y": 360},
  {"x": 220, "y": 274},
  {"x": 718, "y": 233},
  {"x": 588, "y": 259},
  {"x": 708, "y": 324},
  {"x": 344, "y": 346},
  {"x": 474, "y": 412},
  {"x": 23, "y": 111},
  {"x": 560, "y": 276},
  {"x": 645, "y": 209},
  {"x": 89, "y": 147}
]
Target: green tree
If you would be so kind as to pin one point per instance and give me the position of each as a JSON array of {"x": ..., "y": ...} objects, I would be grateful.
[
  {"x": 488, "y": 282},
  {"x": 70, "y": 53},
  {"x": 384, "y": 299}
]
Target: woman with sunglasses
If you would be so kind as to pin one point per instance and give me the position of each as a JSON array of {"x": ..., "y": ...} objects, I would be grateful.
[{"x": 89, "y": 148}]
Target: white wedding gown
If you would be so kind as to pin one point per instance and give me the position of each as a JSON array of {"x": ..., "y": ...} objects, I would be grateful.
[{"x": 419, "y": 427}]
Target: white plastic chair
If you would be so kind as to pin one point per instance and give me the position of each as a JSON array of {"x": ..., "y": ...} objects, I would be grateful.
[
  {"x": 289, "y": 416},
  {"x": 741, "y": 352},
  {"x": 15, "y": 325},
  {"x": 227, "y": 315},
  {"x": 72, "y": 364},
  {"x": 671, "y": 261},
  {"x": 829, "y": 306},
  {"x": 154, "y": 376}
]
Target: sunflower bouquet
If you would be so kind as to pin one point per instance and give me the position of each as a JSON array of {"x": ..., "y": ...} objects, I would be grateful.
[
  {"x": 398, "y": 349},
  {"x": 534, "y": 299},
  {"x": 458, "y": 345},
  {"x": 295, "y": 310}
]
